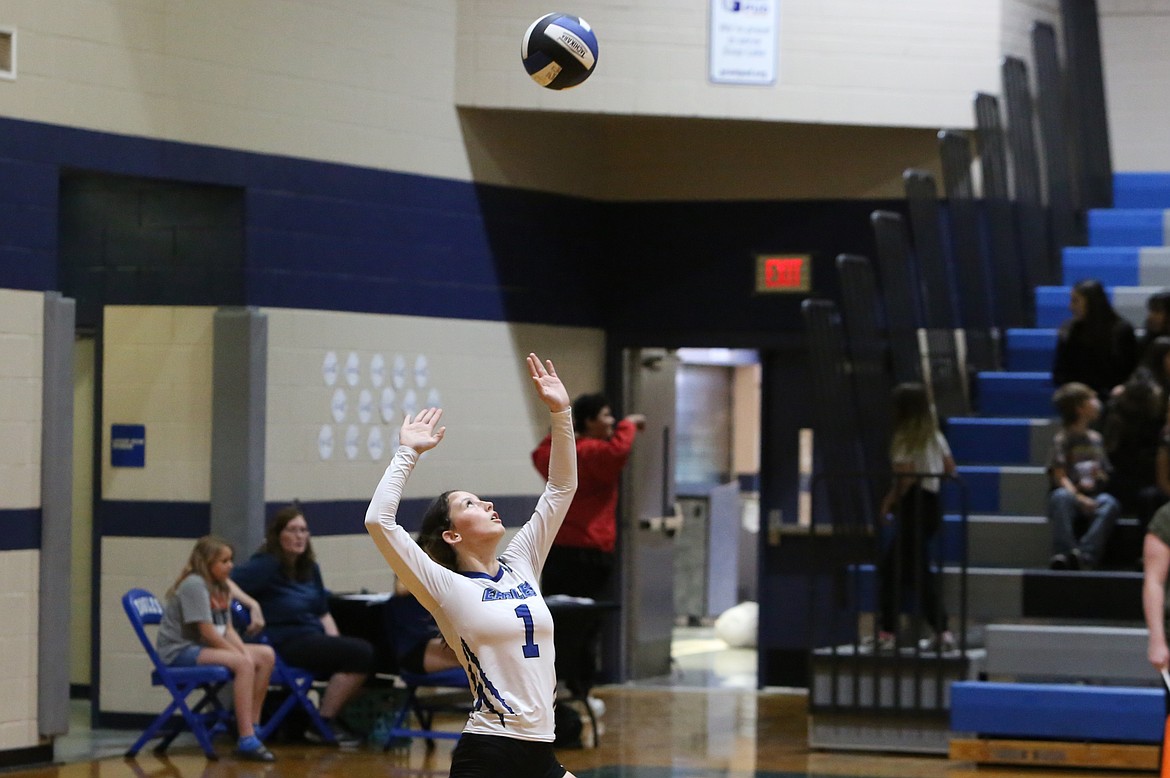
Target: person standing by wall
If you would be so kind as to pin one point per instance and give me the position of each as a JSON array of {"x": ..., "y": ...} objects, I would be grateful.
[
  {"x": 919, "y": 456},
  {"x": 581, "y": 561}
]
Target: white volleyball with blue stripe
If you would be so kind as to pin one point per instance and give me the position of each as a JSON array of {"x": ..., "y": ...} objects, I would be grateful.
[{"x": 559, "y": 50}]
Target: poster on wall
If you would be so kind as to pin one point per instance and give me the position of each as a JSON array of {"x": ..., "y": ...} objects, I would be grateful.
[
  {"x": 743, "y": 41},
  {"x": 128, "y": 445}
]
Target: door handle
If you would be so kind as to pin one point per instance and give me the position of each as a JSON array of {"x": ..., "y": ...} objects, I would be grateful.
[{"x": 667, "y": 525}]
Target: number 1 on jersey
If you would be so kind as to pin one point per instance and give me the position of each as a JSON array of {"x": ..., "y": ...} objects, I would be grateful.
[{"x": 531, "y": 650}]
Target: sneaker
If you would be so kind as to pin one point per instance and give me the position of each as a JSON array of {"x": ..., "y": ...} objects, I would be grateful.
[
  {"x": 941, "y": 643},
  {"x": 1078, "y": 561},
  {"x": 883, "y": 641},
  {"x": 596, "y": 705},
  {"x": 341, "y": 735},
  {"x": 1058, "y": 562},
  {"x": 257, "y": 754}
]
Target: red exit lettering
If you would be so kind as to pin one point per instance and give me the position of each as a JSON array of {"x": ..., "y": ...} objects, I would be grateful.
[{"x": 783, "y": 272}]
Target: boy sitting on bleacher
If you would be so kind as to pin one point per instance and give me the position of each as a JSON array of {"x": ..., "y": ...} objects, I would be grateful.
[{"x": 1079, "y": 471}]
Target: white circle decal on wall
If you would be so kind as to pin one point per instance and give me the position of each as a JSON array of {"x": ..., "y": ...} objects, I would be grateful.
[
  {"x": 377, "y": 370},
  {"x": 353, "y": 369},
  {"x": 365, "y": 406},
  {"x": 325, "y": 441},
  {"x": 387, "y": 405},
  {"x": 433, "y": 399},
  {"x": 421, "y": 371},
  {"x": 398, "y": 372},
  {"x": 410, "y": 403},
  {"x": 329, "y": 368},
  {"x": 351, "y": 441},
  {"x": 340, "y": 405},
  {"x": 374, "y": 443}
]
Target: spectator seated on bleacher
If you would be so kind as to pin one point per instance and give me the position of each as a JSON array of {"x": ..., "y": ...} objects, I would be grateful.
[
  {"x": 1132, "y": 431},
  {"x": 1079, "y": 470},
  {"x": 1157, "y": 322},
  {"x": 1096, "y": 347}
]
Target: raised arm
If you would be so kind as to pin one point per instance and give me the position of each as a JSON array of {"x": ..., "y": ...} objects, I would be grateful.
[
  {"x": 418, "y": 572},
  {"x": 533, "y": 540}
]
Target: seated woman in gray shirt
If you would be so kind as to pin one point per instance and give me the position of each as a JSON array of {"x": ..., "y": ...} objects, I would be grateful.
[{"x": 195, "y": 630}]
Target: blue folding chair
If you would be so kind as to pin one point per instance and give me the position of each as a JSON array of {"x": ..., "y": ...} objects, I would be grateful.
[
  {"x": 399, "y": 729},
  {"x": 397, "y": 611},
  {"x": 295, "y": 680},
  {"x": 208, "y": 717}
]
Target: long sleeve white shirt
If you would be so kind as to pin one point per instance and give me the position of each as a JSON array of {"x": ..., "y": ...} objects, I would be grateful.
[{"x": 500, "y": 627}]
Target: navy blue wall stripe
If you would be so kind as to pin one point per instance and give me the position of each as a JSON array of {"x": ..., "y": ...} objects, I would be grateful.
[
  {"x": 152, "y": 519},
  {"x": 327, "y": 236},
  {"x": 20, "y": 529},
  {"x": 347, "y": 517}
]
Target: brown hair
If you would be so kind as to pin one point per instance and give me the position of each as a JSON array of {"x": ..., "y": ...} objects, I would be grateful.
[
  {"x": 300, "y": 566},
  {"x": 914, "y": 423},
  {"x": 1069, "y": 398},
  {"x": 207, "y": 549},
  {"x": 436, "y": 521}
]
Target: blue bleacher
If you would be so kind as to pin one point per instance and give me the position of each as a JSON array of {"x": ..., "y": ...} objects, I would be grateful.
[
  {"x": 1141, "y": 190},
  {"x": 1058, "y": 711},
  {"x": 1015, "y": 412},
  {"x": 1029, "y": 350},
  {"x": 1127, "y": 227},
  {"x": 1111, "y": 265},
  {"x": 984, "y": 441},
  {"x": 1015, "y": 394}
]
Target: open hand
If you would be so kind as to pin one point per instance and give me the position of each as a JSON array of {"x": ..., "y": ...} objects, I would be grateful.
[
  {"x": 544, "y": 377},
  {"x": 422, "y": 432}
]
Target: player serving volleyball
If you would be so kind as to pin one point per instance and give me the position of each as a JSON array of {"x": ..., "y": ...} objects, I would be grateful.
[{"x": 488, "y": 608}]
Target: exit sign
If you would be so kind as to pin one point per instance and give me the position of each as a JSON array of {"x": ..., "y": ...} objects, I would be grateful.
[{"x": 782, "y": 273}]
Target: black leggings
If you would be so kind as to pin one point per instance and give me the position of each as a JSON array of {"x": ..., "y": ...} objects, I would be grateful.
[
  {"x": 905, "y": 562},
  {"x": 323, "y": 655}
]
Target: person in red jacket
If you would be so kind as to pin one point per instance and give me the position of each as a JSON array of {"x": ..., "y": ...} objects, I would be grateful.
[{"x": 581, "y": 560}]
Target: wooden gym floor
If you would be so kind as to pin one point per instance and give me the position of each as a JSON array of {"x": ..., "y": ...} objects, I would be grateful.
[{"x": 705, "y": 722}]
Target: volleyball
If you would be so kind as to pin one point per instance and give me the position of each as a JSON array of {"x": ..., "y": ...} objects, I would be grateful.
[{"x": 559, "y": 50}]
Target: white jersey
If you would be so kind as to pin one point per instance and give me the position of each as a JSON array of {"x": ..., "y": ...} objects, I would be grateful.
[{"x": 500, "y": 628}]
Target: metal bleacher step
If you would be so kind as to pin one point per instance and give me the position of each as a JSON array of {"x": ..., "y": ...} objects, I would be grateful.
[
  {"x": 1128, "y": 301},
  {"x": 1029, "y": 349},
  {"x": 1117, "y": 265},
  {"x": 997, "y": 440},
  {"x": 1019, "y": 490},
  {"x": 1141, "y": 190},
  {"x": 1077, "y": 653},
  {"x": 1002, "y": 540},
  {"x": 1009, "y": 594},
  {"x": 998, "y": 540},
  {"x": 1128, "y": 226},
  {"x": 1018, "y": 393}
]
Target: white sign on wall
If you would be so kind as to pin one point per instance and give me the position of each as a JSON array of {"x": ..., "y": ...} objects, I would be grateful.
[{"x": 743, "y": 41}]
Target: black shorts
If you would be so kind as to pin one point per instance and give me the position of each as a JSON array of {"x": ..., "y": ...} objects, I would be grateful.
[
  {"x": 494, "y": 756},
  {"x": 323, "y": 655}
]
